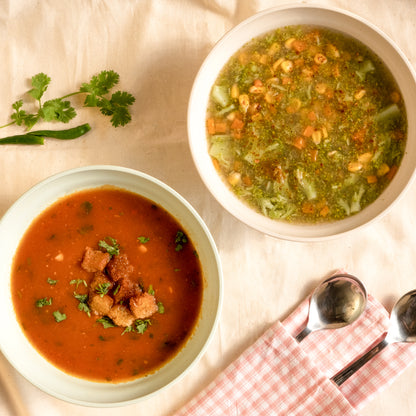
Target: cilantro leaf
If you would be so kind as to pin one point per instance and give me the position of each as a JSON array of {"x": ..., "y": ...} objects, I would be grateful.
[
  {"x": 40, "y": 303},
  {"x": 40, "y": 83},
  {"x": 141, "y": 325},
  {"x": 106, "y": 322},
  {"x": 102, "y": 288},
  {"x": 117, "y": 107},
  {"x": 59, "y": 316},
  {"x": 160, "y": 308},
  {"x": 143, "y": 239},
  {"x": 83, "y": 305},
  {"x": 77, "y": 282},
  {"x": 52, "y": 282},
  {"x": 22, "y": 117},
  {"x": 101, "y": 84},
  {"x": 113, "y": 248},
  {"x": 180, "y": 240},
  {"x": 57, "y": 110}
]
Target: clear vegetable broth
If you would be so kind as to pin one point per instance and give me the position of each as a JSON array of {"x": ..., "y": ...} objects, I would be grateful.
[{"x": 306, "y": 124}]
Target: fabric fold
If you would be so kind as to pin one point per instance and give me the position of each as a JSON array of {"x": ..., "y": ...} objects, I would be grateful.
[{"x": 279, "y": 376}]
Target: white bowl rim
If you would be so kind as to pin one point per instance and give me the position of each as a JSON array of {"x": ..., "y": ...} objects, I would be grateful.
[
  {"x": 91, "y": 402},
  {"x": 238, "y": 208}
]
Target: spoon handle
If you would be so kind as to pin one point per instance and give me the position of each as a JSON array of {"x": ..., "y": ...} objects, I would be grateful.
[
  {"x": 347, "y": 372},
  {"x": 303, "y": 334}
]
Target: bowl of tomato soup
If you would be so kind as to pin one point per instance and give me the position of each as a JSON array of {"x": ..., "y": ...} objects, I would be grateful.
[
  {"x": 301, "y": 122},
  {"x": 114, "y": 285}
]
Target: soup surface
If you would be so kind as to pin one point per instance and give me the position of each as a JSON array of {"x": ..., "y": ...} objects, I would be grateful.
[
  {"x": 306, "y": 124},
  {"x": 106, "y": 285}
]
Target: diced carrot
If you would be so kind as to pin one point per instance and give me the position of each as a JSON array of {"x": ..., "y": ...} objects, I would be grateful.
[
  {"x": 372, "y": 179},
  {"x": 257, "y": 83},
  {"x": 220, "y": 127},
  {"x": 324, "y": 211},
  {"x": 391, "y": 172},
  {"x": 314, "y": 154},
  {"x": 308, "y": 131},
  {"x": 216, "y": 164},
  {"x": 237, "y": 134},
  {"x": 237, "y": 124},
  {"x": 211, "y": 126},
  {"x": 308, "y": 208},
  {"x": 247, "y": 180},
  {"x": 359, "y": 135},
  {"x": 299, "y": 143},
  {"x": 312, "y": 115}
]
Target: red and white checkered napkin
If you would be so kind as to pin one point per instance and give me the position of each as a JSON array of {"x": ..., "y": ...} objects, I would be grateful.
[{"x": 279, "y": 376}]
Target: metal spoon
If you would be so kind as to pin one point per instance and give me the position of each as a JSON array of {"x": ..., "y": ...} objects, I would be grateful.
[
  {"x": 335, "y": 303},
  {"x": 402, "y": 329}
]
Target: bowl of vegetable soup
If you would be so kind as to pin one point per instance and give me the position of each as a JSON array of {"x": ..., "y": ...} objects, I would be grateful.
[
  {"x": 113, "y": 286},
  {"x": 301, "y": 122}
]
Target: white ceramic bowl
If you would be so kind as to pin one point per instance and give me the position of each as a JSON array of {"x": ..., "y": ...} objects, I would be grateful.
[
  {"x": 263, "y": 22},
  {"x": 29, "y": 362}
]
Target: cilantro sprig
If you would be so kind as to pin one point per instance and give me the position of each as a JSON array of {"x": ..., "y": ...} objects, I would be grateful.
[{"x": 97, "y": 91}]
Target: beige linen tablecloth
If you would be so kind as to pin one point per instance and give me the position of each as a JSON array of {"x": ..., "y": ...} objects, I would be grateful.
[{"x": 157, "y": 47}]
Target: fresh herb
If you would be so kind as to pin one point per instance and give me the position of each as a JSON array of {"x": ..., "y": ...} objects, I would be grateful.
[
  {"x": 40, "y": 303},
  {"x": 116, "y": 290},
  {"x": 52, "y": 282},
  {"x": 86, "y": 207},
  {"x": 59, "y": 109},
  {"x": 150, "y": 290},
  {"x": 83, "y": 305},
  {"x": 106, "y": 322},
  {"x": 102, "y": 288},
  {"x": 139, "y": 325},
  {"x": 77, "y": 282},
  {"x": 143, "y": 240},
  {"x": 112, "y": 248},
  {"x": 59, "y": 316},
  {"x": 180, "y": 240},
  {"x": 160, "y": 307}
]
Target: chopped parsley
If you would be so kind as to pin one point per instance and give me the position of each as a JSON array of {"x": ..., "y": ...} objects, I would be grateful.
[{"x": 52, "y": 282}]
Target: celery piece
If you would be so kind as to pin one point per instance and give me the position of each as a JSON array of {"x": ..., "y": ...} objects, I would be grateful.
[
  {"x": 220, "y": 95},
  {"x": 392, "y": 111}
]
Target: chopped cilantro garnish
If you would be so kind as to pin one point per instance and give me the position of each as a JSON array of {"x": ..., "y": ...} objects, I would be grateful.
[
  {"x": 102, "y": 288},
  {"x": 59, "y": 316},
  {"x": 106, "y": 322},
  {"x": 86, "y": 207},
  {"x": 139, "y": 326},
  {"x": 180, "y": 240},
  {"x": 40, "y": 303},
  {"x": 112, "y": 248},
  {"x": 160, "y": 307},
  {"x": 77, "y": 282},
  {"x": 143, "y": 240},
  {"x": 52, "y": 282},
  {"x": 151, "y": 291}
]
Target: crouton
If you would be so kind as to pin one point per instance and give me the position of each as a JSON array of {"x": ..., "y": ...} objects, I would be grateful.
[
  {"x": 121, "y": 315},
  {"x": 100, "y": 305},
  {"x": 143, "y": 305},
  {"x": 124, "y": 289},
  {"x": 94, "y": 260},
  {"x": 119, "y": 267}
]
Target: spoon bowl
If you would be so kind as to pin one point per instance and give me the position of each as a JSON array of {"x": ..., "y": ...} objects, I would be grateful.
[
  {"x": 402, "y": 329},
  {"x": 338, "y": 301}
]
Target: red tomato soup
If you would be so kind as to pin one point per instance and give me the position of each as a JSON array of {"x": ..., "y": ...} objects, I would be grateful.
[{"x": 106, "y": 285}]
